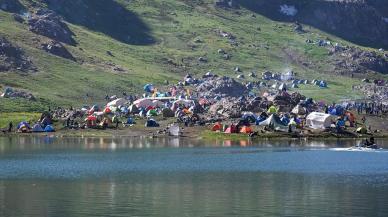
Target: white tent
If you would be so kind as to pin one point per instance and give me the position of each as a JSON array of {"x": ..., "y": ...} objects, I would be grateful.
[
  {"x": 299, "y": 110},
  {"x": 143, "y": 103},
  {"x": 317, "y": 120},
  {"x": 283, "y": 86},
  {"x": 117, "y": 102},
  {"x": 274, "y": 123},
  {"x": 184, "y": 102}
]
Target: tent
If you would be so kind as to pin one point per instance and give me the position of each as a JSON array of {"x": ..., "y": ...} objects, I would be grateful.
[
  {"x": 133, "y": 109},
  {"x": 295, "y": 86},
  {"x": 362, "y": 130},
  {"x": 152, "y": 113},
  {"x": 272, "y": 110},
  {"x": 317, "y": 120},
  {"x": 283, "y": 87},
  {"x": 184, "y": 102},
  {"x": 274, "y": 122},
  {"x": 37, "y": 128},
  {"x": 143, "y": 103},
  {"x": 23, "y": 124},
  {"x": 299, "y": 110},
  {"x": 158, "y": 103},
  {"x": 351, "y": 117},
  {"x": 148, "y": 88},
  {"x": 117, "y": 103},
  {"x": 168, "y": 113},
  {"x": 246, "y": 130},
  {"x": 151, "y": 123},
  {"x": 217, "y": 127},
  {"x": 49, "y": 128},
  {"x": 249, "y": 116},
  {"x": 231, "y": 129},
  {"x": 130, "y": 121},
  {"x": 174, "y": 130}
]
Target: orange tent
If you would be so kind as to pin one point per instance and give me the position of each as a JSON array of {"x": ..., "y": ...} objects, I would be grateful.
[
  {"x": 217, "y": 127},
  {"x": 246, "y": 130},
  {"x": 351, "y": 116}
]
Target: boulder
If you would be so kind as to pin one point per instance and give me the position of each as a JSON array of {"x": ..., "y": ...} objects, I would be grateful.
[
  {"x": 57, "y": 49},
  {"x": 48, "y": 23},
  {"x": 13, "y": 57}
]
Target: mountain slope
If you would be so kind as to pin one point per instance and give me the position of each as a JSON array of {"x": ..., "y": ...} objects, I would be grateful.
[{"x": 121, "y": 45}]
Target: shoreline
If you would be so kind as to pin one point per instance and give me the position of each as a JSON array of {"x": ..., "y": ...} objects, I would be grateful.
[{"x": 195, "y": 133}]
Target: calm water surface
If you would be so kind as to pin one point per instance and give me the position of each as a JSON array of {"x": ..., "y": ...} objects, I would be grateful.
[{"x": 43, "y": 176}]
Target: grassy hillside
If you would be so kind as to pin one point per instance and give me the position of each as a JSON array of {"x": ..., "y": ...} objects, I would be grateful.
[{"x": 153, "y": 35}]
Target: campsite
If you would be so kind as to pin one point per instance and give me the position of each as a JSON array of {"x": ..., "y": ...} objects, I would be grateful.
[
  {"x": 212, "y": 104},
  {"x": 188, "y": 108}
]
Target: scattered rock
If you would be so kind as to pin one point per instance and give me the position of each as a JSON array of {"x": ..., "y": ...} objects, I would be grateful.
[
  {"x": 202, "y": 59},
  {"x": 11, "y": 5},
  {"x": 57, "y": 49},
  {"x": 221, "y": 51},
  {"x": 12, "y": 57},
  {"x": 109, "y": 53},
  {"x": 18, "y": 18},
  {"x": 11, "y": 93},
  {"x": 355, "y": 60},
  {"x": 221, "y": 86},
  {"x": 48, "y": 23}
]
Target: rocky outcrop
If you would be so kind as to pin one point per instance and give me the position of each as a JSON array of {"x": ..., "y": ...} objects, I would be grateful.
[
  {"x": 57, "y": 49},
  {"x": 355, "y": 60},
  {"x": 13, "y": 58},
  {"x": 11, "y": 6},
  {"x": 221, "y": 86},
  {"x": 48, "y": 23},
  {"x": 359, "y": 21},
  {"x": 226, "y": 3}
]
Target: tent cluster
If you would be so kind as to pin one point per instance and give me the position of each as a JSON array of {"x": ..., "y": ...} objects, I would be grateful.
[
  {"x": 240, "y": 107},
  {"x": 45, "y": 124}
]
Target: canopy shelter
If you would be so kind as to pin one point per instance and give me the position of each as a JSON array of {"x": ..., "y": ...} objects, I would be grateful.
[
  {"x": 143, "y": 103},
  {"x": 116, "y": 102},
  {"x": 317, "y": 120}
]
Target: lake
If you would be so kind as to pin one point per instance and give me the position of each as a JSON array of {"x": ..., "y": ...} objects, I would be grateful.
[{"x": 48, "y": 176}]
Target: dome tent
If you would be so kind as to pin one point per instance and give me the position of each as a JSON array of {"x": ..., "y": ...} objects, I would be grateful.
[
  {"x": 37, "y": 128},
  {"x": 49, "y": 128}
]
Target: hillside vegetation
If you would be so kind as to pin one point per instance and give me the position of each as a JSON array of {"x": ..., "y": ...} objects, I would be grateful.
[{"x": 120, "y": 45}]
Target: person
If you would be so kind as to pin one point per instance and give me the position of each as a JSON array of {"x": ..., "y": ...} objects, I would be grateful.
[
  {"x": 10, "y": 127},
  {"x": 370, "y": 143}
]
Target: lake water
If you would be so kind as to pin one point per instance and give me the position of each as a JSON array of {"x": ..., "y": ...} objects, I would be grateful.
[{"x": 44, "y": 176}]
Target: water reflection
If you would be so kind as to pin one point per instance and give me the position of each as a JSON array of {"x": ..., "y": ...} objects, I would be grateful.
[
  {"x": 138, "y": 176},
  {"x": 216, "y": 194},
  {"x": 19, "y": 143}
]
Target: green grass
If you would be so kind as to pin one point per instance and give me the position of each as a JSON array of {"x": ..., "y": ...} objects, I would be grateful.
[
  {"x": 17, "y": 117},
  {"x": 174, "y": 25}
]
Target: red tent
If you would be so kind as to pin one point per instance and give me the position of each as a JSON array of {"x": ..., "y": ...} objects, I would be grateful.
[
  {"x": 231, "y": 129},
  {"x": 217, "y": 127}
]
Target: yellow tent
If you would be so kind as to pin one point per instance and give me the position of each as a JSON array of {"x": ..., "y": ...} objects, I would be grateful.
[{"x": 272, "y": 110}]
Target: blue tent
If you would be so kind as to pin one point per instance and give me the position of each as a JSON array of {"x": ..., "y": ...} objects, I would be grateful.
[
  {"x": 249, "y": 117},
  {"x": 23, "y": 123},
  {"x": 49, "y": 128},
  {"x": 323, "y": 84},
  {"x": 130, "y": 121},
  {"x": 151, "y": 123},
  {"x": 148, "y": 88}
]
